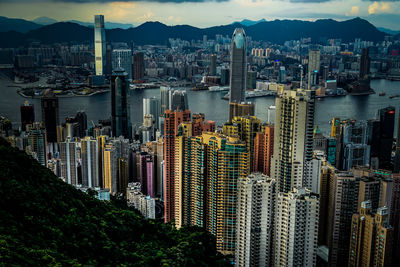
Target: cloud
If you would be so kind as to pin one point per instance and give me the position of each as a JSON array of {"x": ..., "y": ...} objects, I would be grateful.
[
  {"x": 108, "y": 1},
  {"x": 354, "y": 10},
  {"x": 377, "y": 7}
]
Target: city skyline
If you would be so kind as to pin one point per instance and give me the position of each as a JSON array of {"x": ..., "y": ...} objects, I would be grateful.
[
  {"x": 265, "y": 184},
  {"x": 177, "y": 12}
]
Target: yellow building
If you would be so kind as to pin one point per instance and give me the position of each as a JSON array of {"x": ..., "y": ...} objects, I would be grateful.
[{"x": 371, "y": 238}]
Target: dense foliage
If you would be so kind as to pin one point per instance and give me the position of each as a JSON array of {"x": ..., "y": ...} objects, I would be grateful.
[{"x": 44, "y": 221}]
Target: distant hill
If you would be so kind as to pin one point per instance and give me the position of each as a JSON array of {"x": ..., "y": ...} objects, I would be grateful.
[
  {"x": 108, "y": 25},
  {"x": 277, "y": 31},
  {"x": 247, "y": 22},
  {"x": 18, "y": 25},
  {"x": 388, "y": 31},
  {"x": 46, "y": 222},
  {"x": 44, "y": 20}
]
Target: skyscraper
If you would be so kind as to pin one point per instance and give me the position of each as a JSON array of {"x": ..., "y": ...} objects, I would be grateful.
[
  {"x": 365, "y": 62},
  {"x": 152, "y": 106},
  {"x": 99, "y": 44},
  {"x": 255, "y": 220},
  {"x": 396, "y": 168},
  {"x": 296, "y": 228},
  {"x": 342, "y": 205},
  {"x": 122, "y": 58},
  {"x": 172, "y": 121},
  {"x": 50, "y": 115},
  {"x": 240, "y": 109},
  {"x": 27, "y": 115},
  {"x": 179, "y": 100},
  {"x": 69, "y": 156},
  {"x": 36, "y": 136},
  {"x": 213, "y": 65},
  {"x": 313, "y": 67},
  {"x": 246, "y": 129},
  {"x": 386, "y": 129},
  {"x": 90, "y": 162},
  {"x": 293, "y": 139},
  {"x": 164, "y": 96},
  {"x": 227, "y": 161},
  {"x": 238, "y": 67},
  {"x": 110, "y": 167},
  {"x": 263, "y": 150},
  {"x": 120, "y": 107},
  {"x": 371, "y": 237},
  {"x": 138, "y": 66}
]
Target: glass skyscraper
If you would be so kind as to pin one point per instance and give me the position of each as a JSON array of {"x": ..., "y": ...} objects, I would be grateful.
[
  {"x": 238, "y": 66},
  {"x": 99, "y": 44},
  {"x": 120, "y": 109}
]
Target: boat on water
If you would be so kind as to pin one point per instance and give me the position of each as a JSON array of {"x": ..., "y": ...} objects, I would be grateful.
[
  {"x": 382, "y": 94},
  {"x": 393, "y": 96},
  {"x": 218, "y": 88}
]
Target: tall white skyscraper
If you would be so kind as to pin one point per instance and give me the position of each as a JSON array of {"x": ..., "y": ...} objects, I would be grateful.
[
  {"x": 293, "y": 140},
  {"x": 90, "y": 162},
  {"x": 254, "y": 225},
  {"x": 122, "y": 58},
  {"x": 99, "y": 44},
  {"x": 296, "y": 228}
]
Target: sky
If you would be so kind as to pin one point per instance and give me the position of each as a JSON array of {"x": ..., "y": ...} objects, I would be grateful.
[{"x": 205, "y": 13}]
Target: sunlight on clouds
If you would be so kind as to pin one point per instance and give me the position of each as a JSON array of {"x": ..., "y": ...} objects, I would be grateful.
[
  {"x": 378, "y": 8},
  {"x": 354, "y": 10},
  {"x": 252, "y": 3}
]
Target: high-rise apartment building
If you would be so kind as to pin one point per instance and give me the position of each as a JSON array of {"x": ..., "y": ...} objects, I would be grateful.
[
  {"x": 343, "y": 200},
  {"x": 49, "y": 103},
  {"x": 172, "y": 121},
  {"x": 120, "y": 106},
  {"x": 27, "y": 115},
  {"x": 227, "y": 161},
  {"x": 69, "y": 155},
  {"x": 122, "y": 59},
  {"x": 255, "y": 220},
  {"x": 36, "y": 135},
  {"x": 296, "y": 228},
  {"x": 240, "y": 109},
  {"x": 396, "y": 167},
  {"x": 90, "y": 162},
  {"x": 110, "y": 168},
  {"x": 293, "y": 139},
  {"x": 371, "y": 238},
  {"x": 246, "y": 129},
  {"x": 394, "y": 219},
  {"x": 263, "y": 150},
  {"x": 99, "y": 44}
]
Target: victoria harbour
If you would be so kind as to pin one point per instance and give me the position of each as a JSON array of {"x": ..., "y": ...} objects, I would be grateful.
[{"x": 97, "y": 107}]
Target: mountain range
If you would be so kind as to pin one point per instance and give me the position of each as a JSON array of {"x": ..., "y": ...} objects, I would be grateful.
[{"x": 277, "y": 31}]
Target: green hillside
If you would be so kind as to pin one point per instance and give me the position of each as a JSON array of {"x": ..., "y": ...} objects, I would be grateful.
[{"x": 44, "y": 221}]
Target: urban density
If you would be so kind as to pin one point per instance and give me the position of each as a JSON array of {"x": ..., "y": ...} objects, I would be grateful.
[{"x": 273, "y": 190}]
